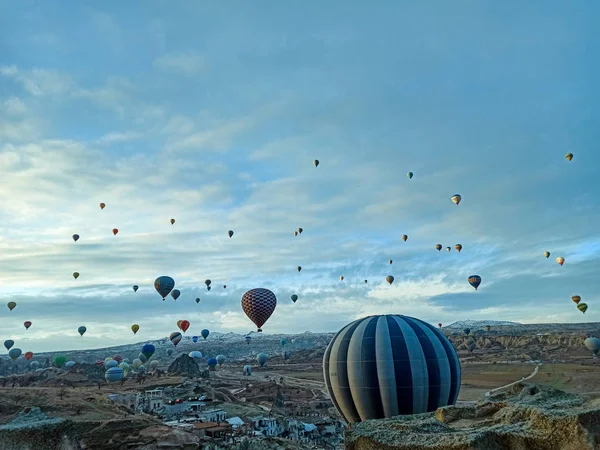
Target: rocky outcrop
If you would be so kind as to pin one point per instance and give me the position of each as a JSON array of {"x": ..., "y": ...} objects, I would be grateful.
[
  {"x": 525, "y": 417},
  {"x": 185, "y": 366}
]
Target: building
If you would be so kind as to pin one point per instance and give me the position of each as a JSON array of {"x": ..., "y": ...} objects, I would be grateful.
[
  {"x": 213, "y": 415},
  {"x": 267, "y": 426}
]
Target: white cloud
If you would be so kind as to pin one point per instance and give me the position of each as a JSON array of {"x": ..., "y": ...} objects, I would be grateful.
[
  {"x": 188, "y": 63},
  {"x": 39, "y": 82},
  {"x": 112, "y": 137}
]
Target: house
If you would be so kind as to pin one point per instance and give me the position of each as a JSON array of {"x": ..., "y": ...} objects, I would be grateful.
[
  {"x": 213, "y": 430},
  {"x": 213, "y": 415},
  {"x": 235, "y": 422},
  {"x": 267, "y": 426}
]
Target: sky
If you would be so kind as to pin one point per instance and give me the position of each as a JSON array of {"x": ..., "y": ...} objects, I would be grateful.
[{"x": 213, "y": 112}]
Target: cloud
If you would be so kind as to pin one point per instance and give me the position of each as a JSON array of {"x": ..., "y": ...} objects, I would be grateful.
[
  {"x": 112, "y": 137},
  {"x": 187, "y": 63},
  {"x": 38, "y": 82}
]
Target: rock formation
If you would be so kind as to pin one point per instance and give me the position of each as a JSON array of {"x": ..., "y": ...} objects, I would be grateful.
[
  {"x": 525, "y": 417},
  {"x": 185, "y": 366}
]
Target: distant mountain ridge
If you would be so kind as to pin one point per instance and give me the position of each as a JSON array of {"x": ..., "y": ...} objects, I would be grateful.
[{"x": 480, "y": 324}]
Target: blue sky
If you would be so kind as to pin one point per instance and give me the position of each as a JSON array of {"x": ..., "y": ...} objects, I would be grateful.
[{"x": 213, "y": 113}]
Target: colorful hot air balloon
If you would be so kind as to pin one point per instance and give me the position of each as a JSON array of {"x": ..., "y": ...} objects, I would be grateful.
[
  {"x": 148, "y": 350},
  {"x": 383, "y": 366},
  {"x": 342, "y": 278},
  {"x": 475, "y": 281},
  {"x": 467, "y": 331},
  {"x": 448, "y": 249},
  {"x": 404, "y": 237},
  {"x": 14, "y": 353},
  {"x": 409, "y": 175},
  {"x": 389, "y": 279},
  {"x": 204, "y": 333},
  {"x": 294, "y": 298},
  {"x": 164, "y": 285},
  {"x": 179, "y": 323},
  {"x": 197, "y": 300},
  {"x": 560, "y": 260},
  {"x": 569, "y": 156},
  {"x": 211, "y": 363},
  {"x": 300, "y": 230},
  {"x": 283, "y": 342},
  {"x": 135, "y": 288},
  {"x": 299, "y": 268},
  {"x": 75, "y": 275},
  {"x": 135, "y": 327},
  {"x": 102, "y": 205},
  {"x": 295, "y": 233},
  {"x": 81, "y": 330},
  {"x": 75, "y": 237},
  {"x": 175, "y": 338},
  {"x": 458, "y": 247},
  {"x": 185, "y": 324},
  {"x": 593, "y": 344},
  {"x": 11, "y": 305},
  {"x": 172, "y": 221},
  {"x": 194, "y": 339},
  {"x": 115, "y": 231},
  {"x": 220, "y": 360},
  {"x": 576, "y": 298},
  {"x": 547, "y": 255},
  {"x": 316, "y": 162},
  {"x": 230, "y": 233},
  {"x": 195, "y": 354},
  {"x": 27, "y": 324},
  {"x": 259, "y": 304},
  {"x": 390, "y": 261},
  {"x": 114, "y": 374},
  {"x": 175, "y": 293},
  {"x": 60, "y": 360},
  {"x": 582, "y": 307},
  {"x": 28, "y": 355},
  {"x": 456, "y": 199},
  {"x": 262, "y": 359},
  {"x": 440, "y": 325},
  {"x": 248, "y": 339},
  {"x": 8, "y": 343}
]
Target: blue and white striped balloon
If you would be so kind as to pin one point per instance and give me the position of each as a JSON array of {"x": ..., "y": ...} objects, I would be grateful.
[
  {"x": 114, "y": 374},
  {"x": 383, "y": 366}
]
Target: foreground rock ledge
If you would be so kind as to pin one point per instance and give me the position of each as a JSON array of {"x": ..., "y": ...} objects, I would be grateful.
[{"x": 524, "y": 417}]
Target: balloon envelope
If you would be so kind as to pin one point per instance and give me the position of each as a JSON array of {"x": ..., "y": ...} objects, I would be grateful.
[
  {"x": 259, "y": 304},
  {"x": 593, "y": 343},
  {"x": 148, "y": 350},
  {"x": 164, "y": 285},
  {"x": 262, "y": 359},
  {"x": 114, "y": 374}
]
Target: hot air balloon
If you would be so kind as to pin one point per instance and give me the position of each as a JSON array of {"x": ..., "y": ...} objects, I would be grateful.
[
  {"x": 75, "y": 237},
  {"x": 383, "y": 366},
  {"x": 185, "y": 324},
  {"x": 59, "y": 361},
  {"x": 118, "y": 358},
  {"x": 467, "y": 331},
  {"x": 194, "y": 339},
  {"x": 8, "y": 343},
  {"x": 169, "y": 351},
  {"x": 154, "y": 364},
  {"x": 247, "y": 370},
  {"x": 211, "y": 363},
  {"x": 560, "y": 260},
  {"x": 488, "y": 328},
  {"x": 456, "y": 199},
  {"x": 294, "y": 298},
  {"x": 438, "y": 247},
  {"x": 248, "y": 339},
  {"x": 14, "y": 353},
  {"x": 475, "y": 281},
  {"x": 569, "y": 156},
  {"x": 204, "y": 333},
  {"x": 342, "y": 278},
  {"x": 220, "y": 360},
  {"x": 207, "y": 282},
  {"x": 175, "y": 338},
  {"x": 404, "y": 237},
  {"x": 448, "y": 249},
  {"x": 75, "y": 275},
  {"x": 135, "y": 288},
  {"x": 300, "y": 230},
  {"x": 295, "y": 233},
  {"x": 259, "y": 304},
  {"x": 230, "y": 233},
  {"x": 69, "y": 364},
  {"x": 262, "y": 359},
  {"x": 316, "y": 162},
  {"x": 27, "y": 324},
  {"x": 299, "y": 268},
  {"x": 28, "y": 355},
  {"x": 179, "y": 323},
  {"x": 458, "y": 247},
  {"x": 135, "y": 327},
  {"x": 440, "y": 325},
  {"x": 142, "y": 357},
  {"x": 390, "y": 261},
  {"x": 389, "y": 279},
  {"x": 81, "y": 330},
  {"x": 102, "y": 205},
  {"x": 148, "y": 350},
  {"x": 172, "y": 221},
  {"x": 593, "y": 344},
  {"x": 582, "y": 307},
  {"x": 195, "y": 354},
  {"x": 208, "y": 288},
  {"x": 175, "y": 293},
  {"x": 547, "y": 255},
  {"x": 224, "y": 286},
  {"x": 115, "y": 231},
  {"x": 11, "y": 305},
  {"x": 164, "y": 285},
  {"x": 114, "y": 374},
  {"x": 409, "y": 175},
  {"x": 366, "y": 281},
  {"x": 283, "y": 342},
  {"x": 576, "y": 298},
  {"x": 111, "y": 363},
  {"x": 136, "y": 363}
]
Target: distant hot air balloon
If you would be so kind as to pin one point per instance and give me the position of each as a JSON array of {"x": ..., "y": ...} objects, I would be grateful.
[
  {"x": 467, "y": 331},
  {"x": 569, "y": 156},
  {"x": 75, "y": 275},
  {"x": 560, "y": 260},
  {"x": 300, "y": 230},
  {"x": 204, "y": 333},
  {"x": 458, "y": 247},
  {"x": 14, "y": 353},
  {"x": 230, "y": 233},
  {"x": 438, "y": 247},
  {"x": 294, "y": 298},
  {"x": 207, "y": 282},
  {"x": 197, "y": 300},
  {"x": 224, "y": 286},
  {"x": 283, "y": 342},
  {"x": 248, "y": 339},
  {"x": 28, "y": 355},
  {"x": 102, "y": 205},
  {"x": 81, "y": 330},
  {"x": 366, "y": 281},
  {"x": 60, "y": 361},
  {"x": 547, "y": 255},
  {"x": 11, "y": 305},
  {"x": 342, "y": 278},
  {"x": 488, "y": 328},
  {"x": 456, "y": 199},
  {"x": 409, "y": 175},
  {"x": 114, "y": 374},
  {"x": 316, "y": 162},
  {"x": 593, "y": 344},
  {"x": 440, "y": 325},
  {"x": 404, "y": 237},
  {"x": 389, "y": 279},
  {"x": 27, "y": 324},
  {"x": 75, "y": 237},
  {"x": 135, "y": 327},
  {"x": 448, "y": 249},
  {"x": 390, "y": 261},
  {"x": 135, "y": 288},
  {"x": 179, "y": 323},
  {"x": 169, "y": 351},
  {"x": 175, "y": 338},
  {"x": 208, "y": 288},
  {"x": 220, "y": 360},
  {"x": 299, "y": 268},
  {"x": 211, "y": 363},
  {"x": 148, "y": 350},
  {"x": 8, "y": 343},
  {"x": 164, "y": 285},
  {"x": 259, "y": 304},
  {"x": 576, "y": 298},
  {"x": 194, "y": 339},
  {"x": 115, "y": 231},
  {"x": 172, "y": 221},
  {"x": 582, "y": 307},
  {"x": 262, "y": 359},
  {"x": 175, "y": 293},
  {"x": 295, "y": 233},
  {"x": 195, "y": 354},
  {"x": 475, "y": 281},
  {"x": 185, "y": 324},
  {"x": 142, "y": 357}
]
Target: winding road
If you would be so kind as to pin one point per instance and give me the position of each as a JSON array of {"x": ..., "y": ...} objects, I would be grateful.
[{"x": 533, "y": 374}]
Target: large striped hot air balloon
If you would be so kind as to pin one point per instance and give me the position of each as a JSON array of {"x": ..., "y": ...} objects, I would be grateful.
[
  {"x": 164, "y": 285},
  {"x": 259, "y": 304},
  {"x": 175, "y": 338},
  {"x": 114, "y": 374},
  {"x": 383, "y": 366}
]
